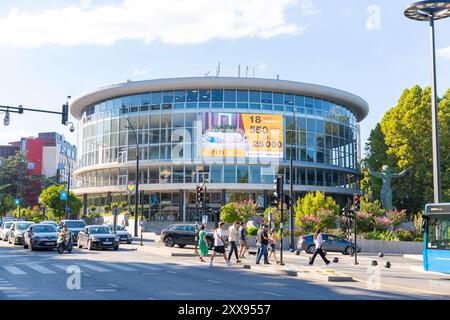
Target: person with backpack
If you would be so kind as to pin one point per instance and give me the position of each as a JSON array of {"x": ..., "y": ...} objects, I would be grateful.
[
  {"x": 219, "y": 245},
  {"x": 264, "y": 242},
  {"x": 318, "y": 241}
]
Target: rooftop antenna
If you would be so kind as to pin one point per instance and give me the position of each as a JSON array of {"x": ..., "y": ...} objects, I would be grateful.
[
  {"x": 253, "y": 71},
  {"x": 278, "y": 77},
  {"x": 246, "y": 72},
  {"x": 239, "y": 70},
  {"x": 218, "y": 69}
]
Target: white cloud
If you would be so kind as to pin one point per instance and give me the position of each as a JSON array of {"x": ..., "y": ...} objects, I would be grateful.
[
  {"x": 444, "y": 52},
  {"x": 169, "y": 21},
  {"x": 307, "y": 7}
]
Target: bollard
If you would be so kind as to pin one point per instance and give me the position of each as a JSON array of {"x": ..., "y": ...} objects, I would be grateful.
[
  {"x": 381, "y": 254},
  {"x": 387, "y": 264},
  {"x": 335, "y": 260},
  {"x": 297, "y": 252},
  {"x": 374, "y": 263}
]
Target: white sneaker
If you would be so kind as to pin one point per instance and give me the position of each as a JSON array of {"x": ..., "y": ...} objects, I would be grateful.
[
  {"x": 229, "y": 264},
  {"x": 211, "y": 265}
]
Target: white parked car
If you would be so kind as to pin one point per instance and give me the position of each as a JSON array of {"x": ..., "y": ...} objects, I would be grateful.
[{"x": 5, "y": 229}]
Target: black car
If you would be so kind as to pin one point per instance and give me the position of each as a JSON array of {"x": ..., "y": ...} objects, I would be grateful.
[
  {"x": 182, "y": 235},
  {"x": 40, "y": 236},
  {"x": 97, "y": 237},
  {"x": 73, "y": 226}
]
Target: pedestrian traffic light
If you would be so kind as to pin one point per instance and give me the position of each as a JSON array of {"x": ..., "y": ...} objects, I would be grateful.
[
  {"x": 63, "y": 195},
  {"x": 200, "y": 194},
  {"x": 65, "y": 114},
  {"x": 278, "y": 187},
  {"x": 356, "y": 202},
  {"x": 17, "y": 201},
  {"x": 209, "y": 210}
]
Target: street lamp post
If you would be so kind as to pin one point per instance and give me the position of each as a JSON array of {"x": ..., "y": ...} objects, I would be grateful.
[
  {"x": 291, "y": 185},
  {"x": 136, "y": 192},
  {"x": 431, "y": 11}
]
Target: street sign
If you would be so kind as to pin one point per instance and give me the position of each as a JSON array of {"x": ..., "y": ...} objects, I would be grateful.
[
  {"x": 131, "y": 187},
  {"x": 67, "y": 209},
  {"x": 31, "y": 166},
  {"x": 63, "y": 195},
  {"x": 17, "y": 201},
  {"x": 61, "y": 166},
  {"x": 204, "y": 219}
]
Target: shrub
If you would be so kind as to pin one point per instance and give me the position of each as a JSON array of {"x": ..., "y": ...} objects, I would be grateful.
[
  {"x": 404, "y": 235},
  {"x": 308, "y": 224},
  {"x": 252, "y": 231},
  {"x": 238, "y": 211},
  {"x": 365, "y": 221},
  {"x": 276, "y": 215},
  {"x": 386, "y": 235},
  {"x": 327, "y": 219},
  {"x": 397, "y": 217},
  {"x": 381, "y": 223},
  {"x": 372, "y": 207}
]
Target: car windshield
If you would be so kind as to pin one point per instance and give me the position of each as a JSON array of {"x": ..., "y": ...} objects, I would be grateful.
[
  {"x": 118, "y": 228},
  {"x": 22, "y": 226},
  {"x": 75, "y": 224},
  {"x": 44, "y": 228},
  {"x": 8, "y": 225},
  {"x": 99, "y": 230}
]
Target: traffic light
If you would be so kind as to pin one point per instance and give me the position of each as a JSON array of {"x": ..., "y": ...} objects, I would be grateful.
[
  {"x": 17, "y": 201},
  {"x": 356, "y": 202},
  {"x": 278, "y": 187},
  {"x": 200, "y": 194},
  {"x": 63, "y": 195},
  {"x": 287, "y": 201},
  {"x": 209, "y": 210},
  {"x": 65, "y": 114}
]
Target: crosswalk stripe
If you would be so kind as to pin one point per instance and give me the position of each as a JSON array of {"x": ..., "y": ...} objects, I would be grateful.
[
  {"x": 145, "y": 266},
  {"x": 41, "y": 269},
  {"x": 120, "y": 267},
  {"x": 94, "y": 268},
  {"x": 14, "y": 270}
]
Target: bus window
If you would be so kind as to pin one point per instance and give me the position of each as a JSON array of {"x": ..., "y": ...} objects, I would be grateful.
[{"x": 439, "y": 233}]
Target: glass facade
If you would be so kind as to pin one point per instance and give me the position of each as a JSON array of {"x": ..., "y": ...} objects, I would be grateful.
[{"x": 319, "y": 135}]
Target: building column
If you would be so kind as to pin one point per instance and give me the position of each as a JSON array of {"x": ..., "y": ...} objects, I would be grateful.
[
  {"x": 85, "y": 208},
  {"x": 183, "y": 200}
]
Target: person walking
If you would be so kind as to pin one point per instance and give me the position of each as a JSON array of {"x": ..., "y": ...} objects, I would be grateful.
[
  {"x": 219, "y": 245},
  {"x": 258, "y": 240},
  {"x": 202, "y": 244},
  {"x": 243, "y": 246},
  {"x": 264, "y": 242},
  {"x": 273, "y": 241},
  {"x": 232, "y": 238},
  {"x": 318, "y": 241}
]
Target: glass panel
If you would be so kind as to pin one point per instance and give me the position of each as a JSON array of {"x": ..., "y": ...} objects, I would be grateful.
[
  {"x": 216, "y": 174},
  {"x": 205, "y": 95},
  {"x": 278, "y": 98},
  {"x": 242, "y": 174},
  {"x": 255, "y": 96},
  {"x": 229, "y": 174},
  {"x": 229, "y": 95},
  {"x": 242, "y": 95},
  {"x": 266, "y": 97},
  {"x": 192, "y": 95},
  {"x": 217, "y": 95},
  {"x": 255, "y": 174}
]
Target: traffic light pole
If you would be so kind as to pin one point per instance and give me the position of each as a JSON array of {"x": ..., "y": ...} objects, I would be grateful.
[{"x": 356, "y": 250}]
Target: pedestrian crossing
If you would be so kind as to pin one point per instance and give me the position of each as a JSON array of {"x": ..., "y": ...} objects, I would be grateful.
[{"x": 91, "y": 267}]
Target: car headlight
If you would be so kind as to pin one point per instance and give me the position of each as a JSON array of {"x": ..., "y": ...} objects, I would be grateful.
[{"x": 95, "y": 239}]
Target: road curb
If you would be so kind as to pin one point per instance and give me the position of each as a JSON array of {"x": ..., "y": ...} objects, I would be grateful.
[{"x": 340, "y": 279}]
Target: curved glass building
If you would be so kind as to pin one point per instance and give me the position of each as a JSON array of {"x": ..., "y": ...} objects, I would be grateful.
[{"x": 234, "y": 134}]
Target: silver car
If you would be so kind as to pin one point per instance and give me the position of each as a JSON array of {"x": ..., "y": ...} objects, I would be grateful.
[
  {"x": 122, "y": 233},
  {"x": 18, "y": 228},
  {"x": 40, "y": 236},
  {"x": 4, "y": 230},
  {"x": 331, "y": 243}
]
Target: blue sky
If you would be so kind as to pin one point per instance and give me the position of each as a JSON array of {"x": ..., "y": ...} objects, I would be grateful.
[{"x": 50, "y": 49}]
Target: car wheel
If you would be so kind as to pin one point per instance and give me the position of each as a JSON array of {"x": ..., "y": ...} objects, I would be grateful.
[
  {"x": 311, "y": 249},
  {"x": 25, "y": 246},
  {"x": 349, "y": 250},
  {"x": 79, "y": 245},
  {"x": 169, "y": 242},
  {"x": 89, "y": 245}
]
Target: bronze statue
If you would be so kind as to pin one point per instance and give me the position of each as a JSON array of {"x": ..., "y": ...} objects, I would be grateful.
[{"x": 386, "y": 175}]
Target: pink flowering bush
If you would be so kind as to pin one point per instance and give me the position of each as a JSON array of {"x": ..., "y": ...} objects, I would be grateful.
[
  {"x": 308, "y": 223},
  {"x": 382, "y": 223},
  {"x": 397, "y": 217}
]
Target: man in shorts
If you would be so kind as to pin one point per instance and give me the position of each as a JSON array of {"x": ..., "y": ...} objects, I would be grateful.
[{"x": 219, "y": 245}]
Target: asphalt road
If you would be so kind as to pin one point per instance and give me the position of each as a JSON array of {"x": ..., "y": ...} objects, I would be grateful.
[{"x": 152, "y": 273}]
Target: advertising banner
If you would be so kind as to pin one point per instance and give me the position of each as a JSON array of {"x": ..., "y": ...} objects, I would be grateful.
[{"x": 242, "y": 135}]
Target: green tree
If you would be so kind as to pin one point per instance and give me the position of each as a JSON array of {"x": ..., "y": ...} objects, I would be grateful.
[
  {"x": 276, "y": 215},
  {"x": 403, "y": 139},
  {"x": 238, "y": 211},
  {"x": 51, "y": 199}
]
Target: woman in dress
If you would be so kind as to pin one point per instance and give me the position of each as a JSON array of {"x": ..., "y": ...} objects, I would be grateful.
[
  {"x": 273, "y": 244},
  {"x": 202, "y": 244}
]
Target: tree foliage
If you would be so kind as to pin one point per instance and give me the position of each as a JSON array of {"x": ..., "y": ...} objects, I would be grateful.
[
  {"x": 51, "y": 199},
  {"x": 238, "y": 211},
  {"x": 403, "y": 139}
]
